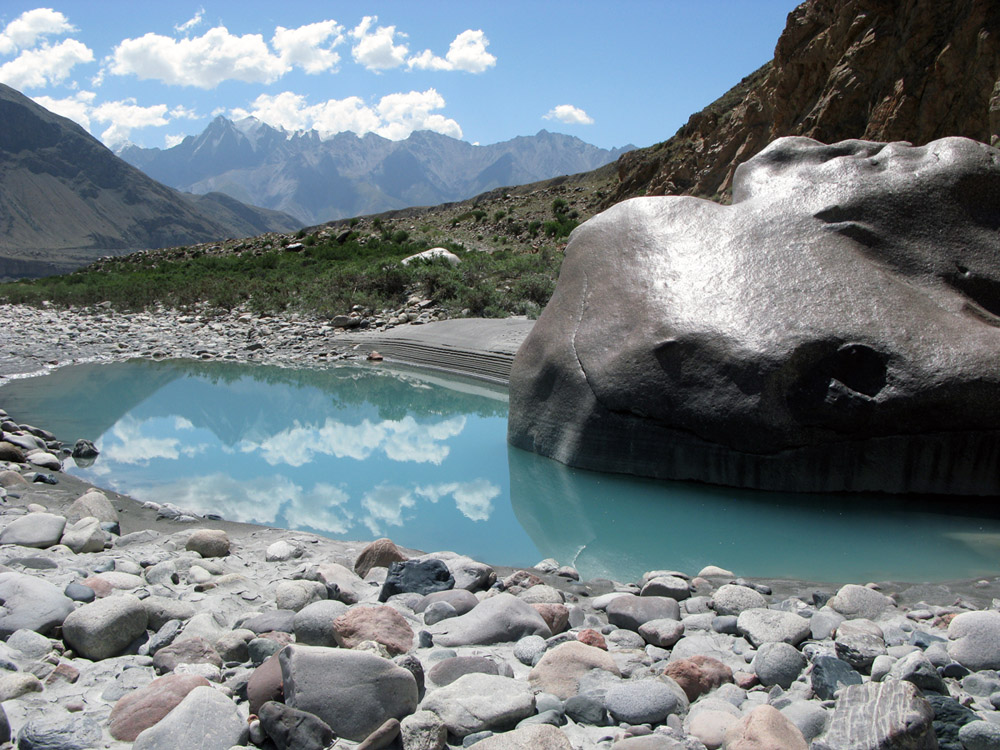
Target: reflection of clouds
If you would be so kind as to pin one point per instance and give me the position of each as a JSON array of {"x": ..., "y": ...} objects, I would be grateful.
[
  {"x": 385, "y": 504},
  {"x": 474, "y": 499},
  {"x": 259, "y": 500},
  {"x": 402, "y": 440},
  {"x": 136, "y": 448}
]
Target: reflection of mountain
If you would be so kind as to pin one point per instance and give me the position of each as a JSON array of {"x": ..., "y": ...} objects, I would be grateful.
[
  {"x": 257, "y": 402},
  {"x": 614, "y": 526}
]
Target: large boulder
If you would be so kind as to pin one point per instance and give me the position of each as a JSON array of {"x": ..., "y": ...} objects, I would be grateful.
[
  {"x": 30, "y": 603},
  {"x": 812, "y": 336},
  {"x": 105, "y": 628}
]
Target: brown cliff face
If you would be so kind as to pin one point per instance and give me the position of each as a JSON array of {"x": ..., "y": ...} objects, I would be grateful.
[{"x": 883, "y": 70}]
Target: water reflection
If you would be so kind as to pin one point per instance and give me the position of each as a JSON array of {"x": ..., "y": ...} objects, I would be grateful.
[{"x": 360, "y": 451}]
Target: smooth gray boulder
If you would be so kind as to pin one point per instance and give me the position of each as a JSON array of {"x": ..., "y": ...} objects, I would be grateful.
[
  {"x": 353, "y": 692},
  {"x": 499, "y": 619},
  {"x": 835, "y": 329},
  {"x": 92, "y": 503},
  {"x": 974, "y": 640},
  {"x": 476, "y": 702},
  {"x": 85, "y": 535},
  {"x": 206, "y": 719},
  {"x": 105, "y": 627},
  {"x": 31, "y": 603},
  {"x": 34, "y": 530}
]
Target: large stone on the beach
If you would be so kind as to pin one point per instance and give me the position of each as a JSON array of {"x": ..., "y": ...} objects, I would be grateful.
[
  {"x": 379, "y": 554},
  {"x": 630, "y": 612},
  {"x": 93, "y": 504},
  {"x": 646, "y": 701},
  {"x": 416, "y": 577},
  {"x": 448, "y": 670},
  {"x": 34, "y": 530},
  {"x": 206, "y": 719},
  {"x": 9, "y": 478},
  {"x": 979, "y": 735},
  {"x": 879, "y": 716},
  {"x": 463, "y": 601},
  {"x": 294, "y": 595},
  {"x": 536, "y": 737},
  {"x": 265, "y": 683},
  {"x": 143, "y": 707},
  {"x": 11, "y": 452},
  {"x": 974, "y": 640},
  {"x": 31, "y": 603},
  {"x": 353, "y": 692},
  {"x": 560, "y": 669},
  {"x": 698, "y": 674},
  {"x": 499, "y": 619},
  {"x": 85, "y": 535},
  {"x": 765, "y": 728},
  {"x": 292, "y": 729},
  {"x": 830, "y": 674},
  {"x": 778, "y": 664},
  {"x": 106, "y": 627},
  {"x": 761, "y": 626},
  {"x": 859, "y": 602},
  {"x": 59, "y": 731},
  {"x": 189, "y": 650},
  {"x": 343, "y": 584},
  {"x": 380, "y": 624},
  {"x": 812, "y": 336},
  {"x": 732, "y": 599},
  {"x": 208, "y": 542},
  {"x": 476, "y": 702},
  {"x": 313, "y": 625}
]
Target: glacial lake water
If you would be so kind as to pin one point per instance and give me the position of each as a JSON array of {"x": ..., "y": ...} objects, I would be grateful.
[{"x": 362, "y": 451}]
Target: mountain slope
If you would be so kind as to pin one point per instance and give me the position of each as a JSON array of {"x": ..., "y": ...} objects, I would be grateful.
[
  {"x": 66, "y": 199},
  {"x": 347, "y": 175},
  {"x": 883, "y": 70}
]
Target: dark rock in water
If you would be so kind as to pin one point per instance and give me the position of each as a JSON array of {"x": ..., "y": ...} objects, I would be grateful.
[
  {"x": 829, "y": 674},
  {"x": 879, "y": 716},
  {"x": 949, "y": 717},
  {"x": 85, "y": 449},
  {"x": 417, "y": 577},
  {"x": 836, "y": 328}
]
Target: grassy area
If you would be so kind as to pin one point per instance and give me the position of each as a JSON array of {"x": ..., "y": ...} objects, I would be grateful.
[{"x": 326, "y": 276}]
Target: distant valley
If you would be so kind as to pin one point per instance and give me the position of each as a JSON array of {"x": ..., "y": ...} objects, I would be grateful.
[{"x": 318, "y": 180}]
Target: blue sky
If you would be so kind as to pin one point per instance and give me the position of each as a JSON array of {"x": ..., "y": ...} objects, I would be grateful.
[{"x": 610, "y": 73}]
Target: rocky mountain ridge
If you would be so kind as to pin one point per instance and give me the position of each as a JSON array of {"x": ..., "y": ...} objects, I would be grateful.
[
  {"x": 65, "y": 199},
  {"x": 318, "y": 179}
]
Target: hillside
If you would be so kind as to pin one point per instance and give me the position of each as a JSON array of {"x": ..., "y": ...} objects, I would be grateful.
[
  {"x": 65, "y": 199},
  {"x": 317, "y": 179},
  {"x": 883, "y": 70}
]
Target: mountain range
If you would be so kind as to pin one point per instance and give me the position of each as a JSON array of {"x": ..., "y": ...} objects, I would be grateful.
[
  {"x": 65, "y": 199},
  {"x": 316, "y": 179}
]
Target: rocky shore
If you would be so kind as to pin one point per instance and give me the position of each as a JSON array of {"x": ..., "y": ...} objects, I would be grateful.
[{"x": 147, "y": 626}]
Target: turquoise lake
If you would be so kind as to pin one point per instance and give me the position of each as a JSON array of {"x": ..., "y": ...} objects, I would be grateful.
[{"x": 363, "y": 451}]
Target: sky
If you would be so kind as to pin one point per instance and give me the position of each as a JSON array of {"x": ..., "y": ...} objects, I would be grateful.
[{"x": 610, "y": 73}]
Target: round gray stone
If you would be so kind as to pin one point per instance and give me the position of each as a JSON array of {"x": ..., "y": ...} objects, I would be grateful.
[
  {"x": 771, "y": 626},
  {"x": 646, "y": 701},
  {"x": 731, "y": 599},
  {"x": 778, "y": 664},
  {"x": 980, "y": 735},
  {"x": 104, "y": 628}
]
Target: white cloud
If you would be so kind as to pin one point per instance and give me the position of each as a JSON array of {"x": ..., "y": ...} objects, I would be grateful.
[
  {"x": 394, "y": 117},
  {"x": 31, "y": 26},
  {"x": 195, "y": 20},
  {"x": 375, "y": 49},
  {"x": 183, "y": 423},
  {"x": 44, "y": 65},
  {"x": 467, "y": 52},
  {"x": 569, "y": 114},
  {"x": 301, "y": 46},
  {"x": 473, "y": 499},
  {"x": 169, "y": 141},
  {"x": 135, "y": 448},
  {"x": 385, "y": 504},
  {"x": 204, "y": 61},
  {"x": 126, "y": 116},
  {"x": 77, "y": 107}
]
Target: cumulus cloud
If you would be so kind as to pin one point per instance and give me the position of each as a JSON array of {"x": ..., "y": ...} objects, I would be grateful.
[
  {"x": 467, "y": 52},
  {"x": 376, "y": 50},
  {"x": 48, "y": 64},
  {"x": 395, "y": 116},
  {"x": 76, "y": 107},
  {"x": 135, "y": 448},
  {"x": 385, "y": 505},
  {"x": 195, "y": 20},
  {"x": 303, "y": 46},
  {"x": 474, "y": 499},
  {"x": 569, "y": 114},
  {"x": 31, "y": 26}
]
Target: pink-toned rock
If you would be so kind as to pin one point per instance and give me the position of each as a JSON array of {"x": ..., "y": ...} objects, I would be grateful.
[
  {"x": 556, "y": 616},
  {"x": 193, "y": 650},
  {"x": 278, "y": 636},
  {"x": 10, "y": 479},
  {"x": 560, "y": 669},
  {"x": 380, "y": 624},
  {"x": 593, "y": 638},
  {"x": 745, "y": 680},
  {"x": 100, "y": 586},
  {"x": 265, "y": 684},
  {"x": 144, "y": 707},
  {"x": 520, "y": 580},
  {"x": 378, "y": 554},
  {"x": 765, "y": 728},
  {"x": 698, "y": 674}
]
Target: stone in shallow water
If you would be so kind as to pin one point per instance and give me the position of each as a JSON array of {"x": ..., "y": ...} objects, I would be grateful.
[{"x": 813, "y": 370}]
